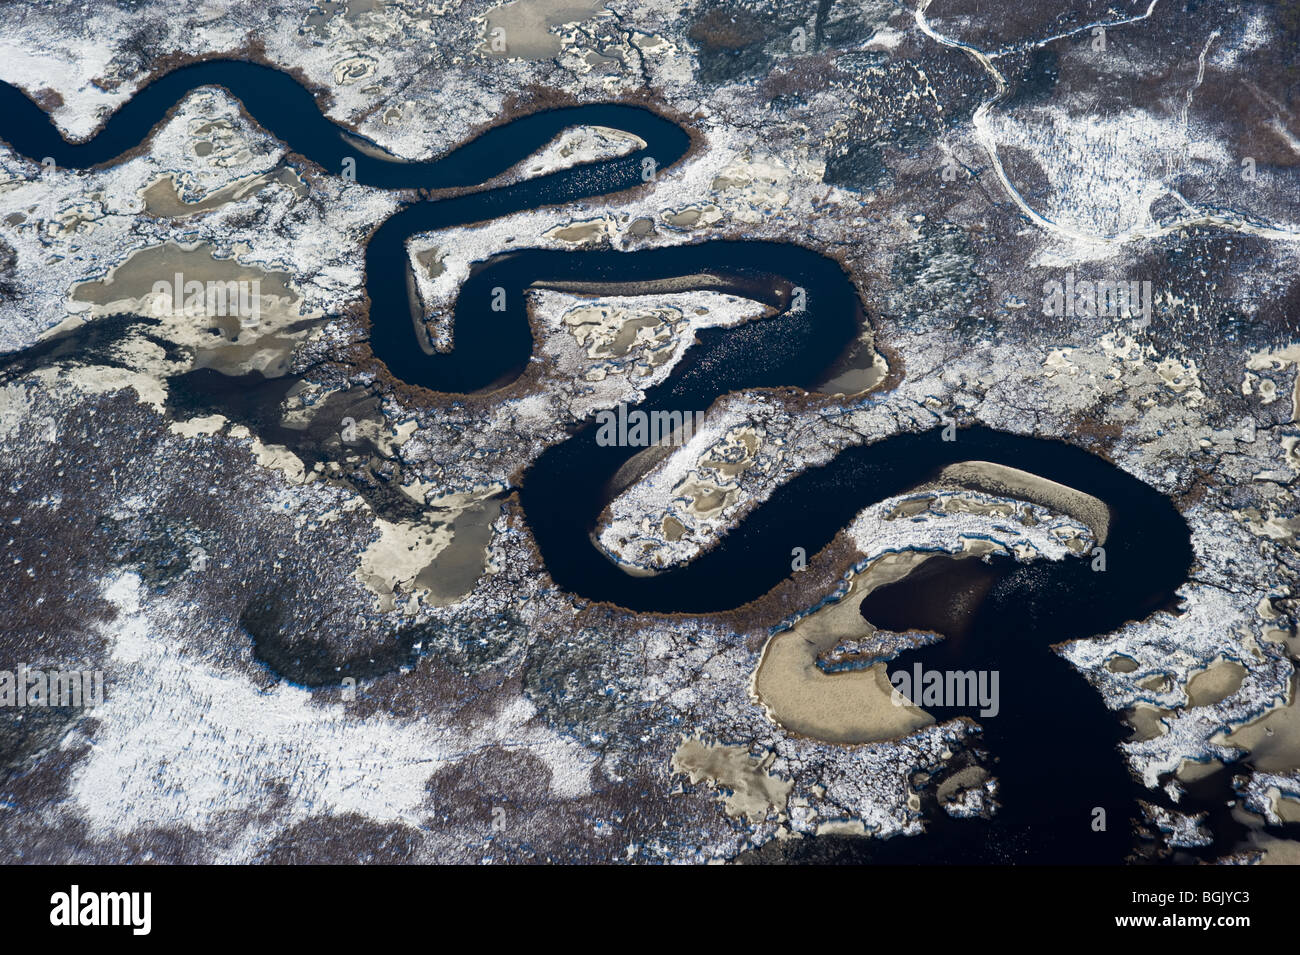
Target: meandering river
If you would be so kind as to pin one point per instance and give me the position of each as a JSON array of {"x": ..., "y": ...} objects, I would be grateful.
[{"x": 1054, "y": 743}]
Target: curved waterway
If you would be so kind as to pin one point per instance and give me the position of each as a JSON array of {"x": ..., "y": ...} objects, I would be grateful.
[{"x": 1053, "y": 743}]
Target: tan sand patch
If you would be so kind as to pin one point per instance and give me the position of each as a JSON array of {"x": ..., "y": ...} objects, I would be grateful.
[{"x": 753, "y": 791}]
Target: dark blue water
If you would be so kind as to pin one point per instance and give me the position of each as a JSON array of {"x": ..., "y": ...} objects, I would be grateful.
[
  {"x": 280, "y": 104},
  {"x": 1054, "y": 743}
]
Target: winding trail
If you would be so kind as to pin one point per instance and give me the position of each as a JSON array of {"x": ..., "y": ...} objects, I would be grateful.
[{"x": 1228, "y": 219}]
